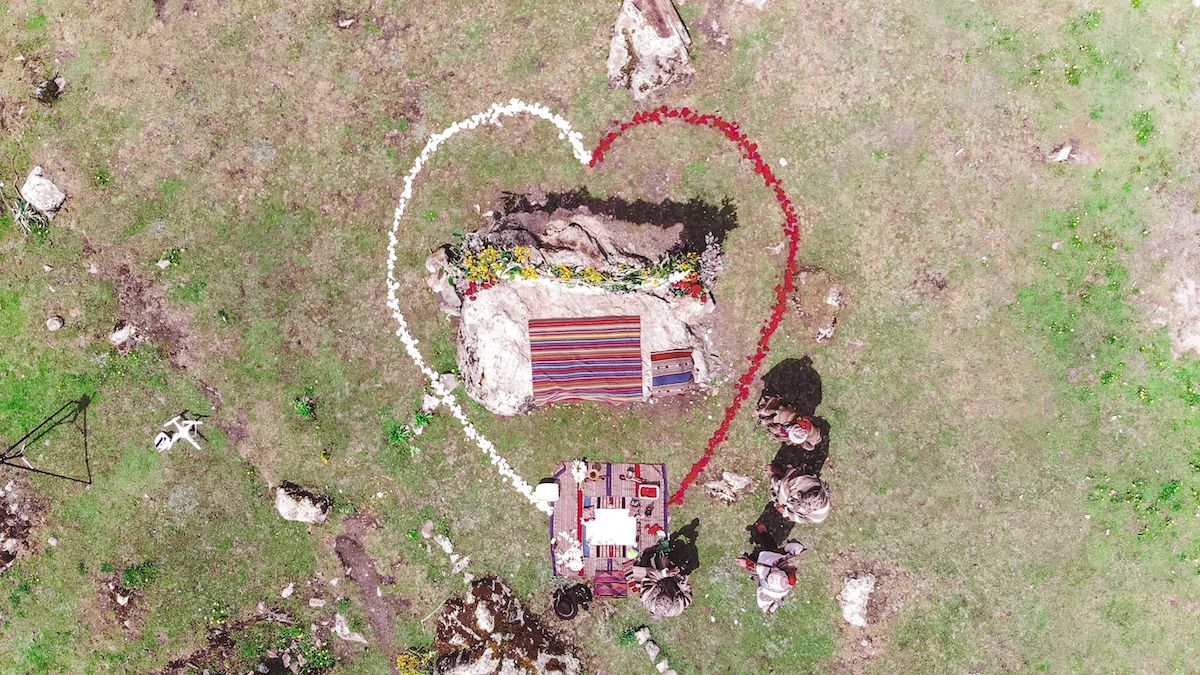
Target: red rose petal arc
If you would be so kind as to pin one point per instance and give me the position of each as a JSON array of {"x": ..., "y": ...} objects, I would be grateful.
[{"x": 791, "y": 228}]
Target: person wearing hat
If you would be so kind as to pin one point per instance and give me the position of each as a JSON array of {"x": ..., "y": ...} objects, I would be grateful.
[
  {"x": 775, "y": 572},
  {"x": 785, "y": 423},
  {"x": 799, "y": 497}
]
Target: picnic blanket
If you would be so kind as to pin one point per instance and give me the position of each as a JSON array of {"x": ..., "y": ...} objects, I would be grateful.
[
  {"x": 586, "y": 359},
  {"x": 671, "y": 372}
]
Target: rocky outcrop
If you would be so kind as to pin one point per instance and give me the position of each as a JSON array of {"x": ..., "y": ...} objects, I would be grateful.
[
  {"x": 490, "y": 631},
  {"x": 21, "y": 512},
  {"x": 493, "y": 337},
  {"x": 854, "y": 598},
  {"x": 299, "y": 505},
  {"x": 648, "y": 52}
]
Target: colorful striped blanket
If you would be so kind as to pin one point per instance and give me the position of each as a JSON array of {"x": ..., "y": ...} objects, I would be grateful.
[
  {"x": 586, "y": 359},
  {"x": 671, "y": 372}
]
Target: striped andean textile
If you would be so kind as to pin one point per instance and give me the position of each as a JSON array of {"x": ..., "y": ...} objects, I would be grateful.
[
  {"x": 671, "y": 372},
  {"x": 586, "y": 359}
]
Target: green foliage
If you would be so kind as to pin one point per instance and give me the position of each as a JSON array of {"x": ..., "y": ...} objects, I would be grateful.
[
  {"x": 305, "y": 405},
  {"x": 139, "y": 576},
  {"x": 37, "y": 21},
  {"x": 627, "y": 637},
  {"x": 102, "y": 176},
  {"x": 1143, "y": 126},
  {"x": 193, "y": 291}
]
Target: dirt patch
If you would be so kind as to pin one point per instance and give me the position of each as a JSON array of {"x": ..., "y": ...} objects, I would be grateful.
[
  {"x": 144, "y": 305},
  {"x": 381, "y": 608},
  {"x": 119, "y": 604},
  {"x": 223, "y": 655},
  {"x": 489, "y": 630},
  {"x": 1170, "y": 279},
  {"x": 712, "y": 26},
  {"x": 819, "y": 300},
  {"x": 22, "y": 511},
  {"x": 861, "y": 648}
]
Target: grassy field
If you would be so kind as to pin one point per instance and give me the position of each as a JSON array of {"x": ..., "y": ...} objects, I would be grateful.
[{"x": 1016, "y": 455}]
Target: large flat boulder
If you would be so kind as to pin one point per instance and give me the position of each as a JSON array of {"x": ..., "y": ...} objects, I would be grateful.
[{"x": 648, "y": 52}]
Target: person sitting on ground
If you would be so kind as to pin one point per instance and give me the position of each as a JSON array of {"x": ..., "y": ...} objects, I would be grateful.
[
  {"x": 785, "y": 423},
  {"x": 798, "y": 497},
  {"x": 775, "y": 572},
  {"x": 666, "y": 593}
]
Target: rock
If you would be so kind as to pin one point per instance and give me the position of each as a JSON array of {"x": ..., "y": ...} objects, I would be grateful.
[
  {"x": 756, "y": 4},
  {"x": 652, "y": 649},
  {"x": 444, "y": 542},
  {"x": 42, "y": 194},
  {"x": 299, "y": 505},
  {"x": 856, "y": 593},
  {"x": 345, "y": 23},
  {"x": 1070, "y": 151},
  {"x": 54, "y": 323},
  {"x": 316, "y": 602},
  {"x": 287, "y": 592},
  {"x": 163, "y": 264},
  {"x": 819, "y": 301},
  {"x": 662, "y": 666},
  {"x": 123, "y": 334},
  {"x": 50, "y": 90},
  {"x": 737, "y": 481},
  {"x": 449, "y": 381},
  {"x": 490, "y": 631},
  {"x": 642, "y": 635},
  {"x": 341, "y": 628},
  {"x": 427, "y": 529},
  {"x": 648, "y": 52}
]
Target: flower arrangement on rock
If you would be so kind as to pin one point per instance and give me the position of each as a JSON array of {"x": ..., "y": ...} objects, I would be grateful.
[{"x": 475, "y": 266}]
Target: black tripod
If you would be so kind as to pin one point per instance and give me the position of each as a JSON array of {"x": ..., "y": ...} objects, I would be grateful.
[{"x": 73, "y": 413}]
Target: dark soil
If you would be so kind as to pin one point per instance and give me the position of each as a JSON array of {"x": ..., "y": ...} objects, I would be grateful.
[
  {"x": 22, "y": 511},
  {"x": 145, "y": 306},
  {"x": 699, "y": 218},
  {"x": 515, "y": 635},
  {"x": 119, "y": 603},
  {"x": 221, "y": 654},
  {"x": 381, "y": 609}
]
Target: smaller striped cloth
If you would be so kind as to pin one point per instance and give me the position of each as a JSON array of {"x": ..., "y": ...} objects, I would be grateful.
[
  {"x": 672, "y": 372},
  {"x": 586, "y": 359}
]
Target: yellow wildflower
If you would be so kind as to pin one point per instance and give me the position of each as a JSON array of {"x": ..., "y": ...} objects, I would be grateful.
[
  {"x": 563, "y": 272},
  {"x": 592, "y": 276},
  {"x": 522, "y": 253},
  {"x": 529, "y": 272}
]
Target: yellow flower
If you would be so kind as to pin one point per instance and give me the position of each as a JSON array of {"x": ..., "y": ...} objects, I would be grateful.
[
  {"x": 522, "y": 253},
  {"x": 563, "y": 272},
  {"x": 529, "y": 272},
  {"x": 592, "y": 276}
]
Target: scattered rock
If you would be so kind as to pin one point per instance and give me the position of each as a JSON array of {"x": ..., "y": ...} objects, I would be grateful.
[
  {"x": 316, "y": 602},
  {"x": 50, "y": 90},
  {"x": 652, "y": 649},
  {"x": 341, "y": 628},
  {"x": 449, "y": 381},
  {"x": 427, "y": 529},
  {"x": 855, "y": 595},
  {"x": 163, "y": 264},
  {"x": 381, "y": 608},
  {"x": 54, "y": 323},
  {"x": 819, "y": 301},
  {"x": 662, "y": 666},
  {"x": 21, "y": 512},
  {"x": 649, "y": 47},
  {"x": 42, "y": 194},
  {"x": 299, "y": 505},
  {"x": 756, "y": 4},
  {"x": 490, "y": 631},
  {"x": 444, "y": 542},
  {"x": 730, "y": 487},
  {"x": 642, "y": 635},
  {"x": 287, "y": 592}
]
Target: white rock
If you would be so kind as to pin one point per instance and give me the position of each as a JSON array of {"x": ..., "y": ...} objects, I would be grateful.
[
  {"x": 427, "y": 529},
  {"x": 163, "y": 264},
  {"x": 756, "y": 4},
  {"x": 123, "y": 333},
  {"x": 299, "y": 505},
  {"x": 642, "y": 635},
  {"x": 316, "y": 602},
  {"x": 287, "y": 592},
  {"x": 341, "y": 628},
  {"x": 661, "y": 666},
  {"x": 737, "y": 481},
  {"x": 52, "y": 542},
  {"x": 856, "y": 593},
  {"x": 449, "y": 381},
  {"x": 54, "y": 323},
  {"x": 444, "y": 542},
  {"x": 345, "y": 23},
  {"x": 648, "y": 51},
  {"x": 652, "y": 649},
  {"x": 42, "y": 194}
]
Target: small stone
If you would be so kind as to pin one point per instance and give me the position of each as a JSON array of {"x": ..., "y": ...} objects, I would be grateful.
[
  {"x": 737, "y": 481},
  {"x": 662, "y": 666},
  {"x": 449, "y": 381},
  {"x": 316, "y": 602},
  {"x": 287, "y": 591},
  {"x": 756, "y": 4},
  {"x": 442, "y": 541},
  {"x": 163, "y": 264},
  {"x": 345, "y": 23},
  {"x": 52, "y": 542},
  {"x": 341, "y": 628},
  {"x": 642, "y": 635},
  {"x": 461, "y": 564},
  {"x": 50, "y": 90},
  {"x": 54, "y": 323},
  {"x": 652, "y": 649},
  {"x": 427, "y": 529}
]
